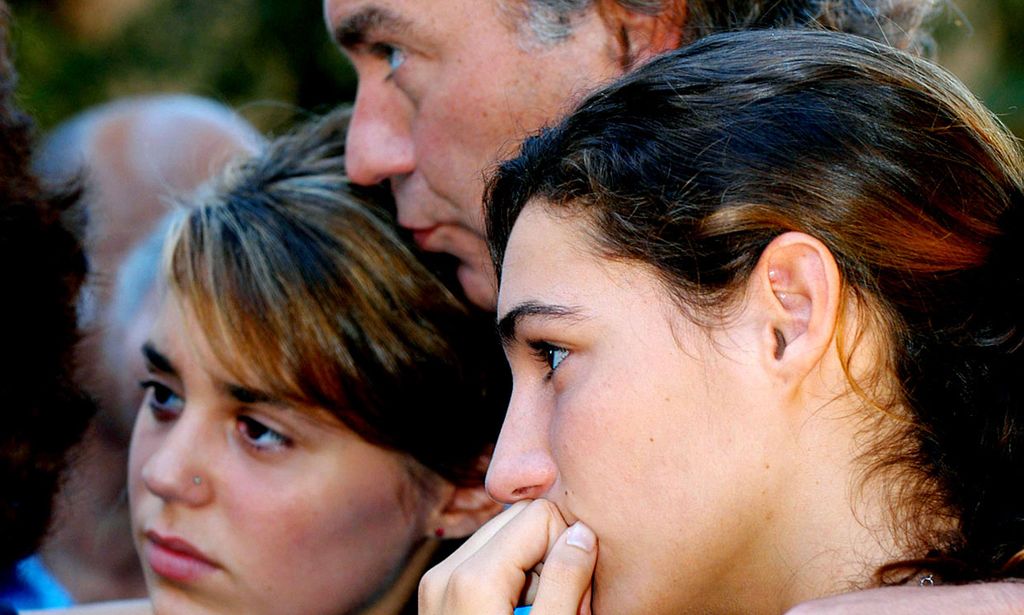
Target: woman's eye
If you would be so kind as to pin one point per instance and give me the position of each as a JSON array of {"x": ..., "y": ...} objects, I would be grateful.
[
  {"x": 162, "y": 401},
  {"x": 555, "y": 357},
  {"x": 550, "y": 355},
  {"x": 259, "y": 435}
]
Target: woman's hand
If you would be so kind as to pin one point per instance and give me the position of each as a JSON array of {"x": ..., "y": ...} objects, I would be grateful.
[{"x": 525, "y": 555}]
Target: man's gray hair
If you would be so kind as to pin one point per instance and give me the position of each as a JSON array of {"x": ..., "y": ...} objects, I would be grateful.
[
  {"x": 551, "y": 21},
  {"x": 896, "y": 22}
]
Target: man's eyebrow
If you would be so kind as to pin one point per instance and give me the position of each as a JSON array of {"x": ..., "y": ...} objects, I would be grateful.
[
  {"x": 509, "y": 323},
  {"x": 356, "y": 28},
  {"x": 157, "y": 361}
]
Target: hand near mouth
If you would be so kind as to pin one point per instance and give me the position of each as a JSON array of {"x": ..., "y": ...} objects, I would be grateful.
[{"x": 527, "y": 555}]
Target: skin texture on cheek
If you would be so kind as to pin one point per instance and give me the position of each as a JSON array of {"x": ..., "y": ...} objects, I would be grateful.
[{"x": 654, "y": 428}]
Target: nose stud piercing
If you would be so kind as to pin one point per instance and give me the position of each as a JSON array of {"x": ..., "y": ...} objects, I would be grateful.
[{"x": 197, "y": 480}]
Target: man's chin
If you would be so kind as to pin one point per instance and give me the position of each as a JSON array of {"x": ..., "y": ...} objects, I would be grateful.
[{"x": 480, "y": 287}]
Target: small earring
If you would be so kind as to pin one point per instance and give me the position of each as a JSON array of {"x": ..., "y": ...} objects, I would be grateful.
[
  {"x": 439, "y": 532},
  {"x": 196, "y": 480}
]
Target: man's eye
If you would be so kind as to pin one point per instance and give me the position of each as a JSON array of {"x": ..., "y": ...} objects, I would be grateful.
[
  {"x": 260, "y": 436},
  {"x": 394, "y": 56},
  {"x": 162, "y": 401}
]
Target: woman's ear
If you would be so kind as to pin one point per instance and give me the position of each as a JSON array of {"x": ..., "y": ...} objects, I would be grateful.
[
  {"x": 460, "y": 511},
  {"x": 798, "y": 284}
]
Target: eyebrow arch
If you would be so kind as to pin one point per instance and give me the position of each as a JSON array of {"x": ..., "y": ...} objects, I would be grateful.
[
  {"x": 355, "y": 29},
  {"x": 157, "y": 361},
  {"x": 508, "y": 324},
  {"x": 245, "y": 395}
]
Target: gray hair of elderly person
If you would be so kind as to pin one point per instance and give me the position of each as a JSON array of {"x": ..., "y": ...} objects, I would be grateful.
[
  {"x": 896, "y": 22},
  {"x": 134, "y": 153},
  {"x": 132, "y": 157},
  {"x": 133, "y": 302}
]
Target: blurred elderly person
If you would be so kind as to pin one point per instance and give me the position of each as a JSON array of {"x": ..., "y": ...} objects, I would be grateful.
[{"x": 131, "y": 157}]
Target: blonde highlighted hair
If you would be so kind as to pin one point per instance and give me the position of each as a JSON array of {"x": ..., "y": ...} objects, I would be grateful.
[{"x": 306, "y": 291}]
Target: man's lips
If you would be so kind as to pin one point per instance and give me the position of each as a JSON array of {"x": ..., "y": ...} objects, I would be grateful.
[
  {"x": 175, "y": 559},
  {"x": 422, "y": 237}
]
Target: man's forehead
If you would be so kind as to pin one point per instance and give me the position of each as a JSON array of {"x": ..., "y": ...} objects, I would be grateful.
[{"x": 353, "y": 15}]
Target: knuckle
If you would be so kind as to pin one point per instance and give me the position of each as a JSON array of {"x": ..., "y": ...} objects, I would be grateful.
[
  {"x": 432, "y": 587},
  {"x": 544, "y": 507},
  {"x": 464, "y": 581}
]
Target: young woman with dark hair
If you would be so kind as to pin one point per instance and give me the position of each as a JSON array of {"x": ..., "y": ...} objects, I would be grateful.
[{"x": 764, "y": 309}]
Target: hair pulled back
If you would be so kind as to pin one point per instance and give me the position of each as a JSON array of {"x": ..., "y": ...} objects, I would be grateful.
[
  {"x": 303, "y": 287},
  {"x": 695, "y": 162}
]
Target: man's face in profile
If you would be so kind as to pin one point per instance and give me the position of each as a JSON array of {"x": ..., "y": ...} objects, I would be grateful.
[{"x": 446, "y": 89}]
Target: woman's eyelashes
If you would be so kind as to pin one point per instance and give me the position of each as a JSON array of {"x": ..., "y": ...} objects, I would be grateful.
[
  {"x": 162, "y": 400},
  {"x": 550, "y": 355},
  {"x": 260, "y": 436},
  {"x": 166, "y": 405}
]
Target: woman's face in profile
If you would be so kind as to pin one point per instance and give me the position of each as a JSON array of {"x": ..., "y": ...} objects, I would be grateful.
[
  {"x": 245, "y": 504},
  {"x": 654, "y": 432}
]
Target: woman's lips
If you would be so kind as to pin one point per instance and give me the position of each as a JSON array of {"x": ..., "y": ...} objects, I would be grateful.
[{"x": 175, "y": 559}]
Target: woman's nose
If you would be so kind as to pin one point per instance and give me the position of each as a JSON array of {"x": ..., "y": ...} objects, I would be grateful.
[
  {"x": 522, "y": 466},
  {"x": 175, "y": 471}
]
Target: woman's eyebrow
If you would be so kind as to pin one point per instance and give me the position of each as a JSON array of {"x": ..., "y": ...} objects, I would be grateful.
[
  {"x": 508, "y": 325},
  {"x": 157, "y": 361},
  {"x": 356, "y": 28},
  {"x": 246, "y": 395}
]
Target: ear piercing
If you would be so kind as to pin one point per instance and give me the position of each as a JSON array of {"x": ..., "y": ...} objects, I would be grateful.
[
  {"x": 439, "y": 532},
  {"x": 196, "y": 480}
]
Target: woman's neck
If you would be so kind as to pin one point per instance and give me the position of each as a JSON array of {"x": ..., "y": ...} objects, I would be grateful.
[
  {"x": 404, "y": 588},
  {"x": 836, "y": 528}
]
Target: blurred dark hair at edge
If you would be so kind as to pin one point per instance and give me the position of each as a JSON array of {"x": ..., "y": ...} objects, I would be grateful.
[{"x": 43, "y": 265}]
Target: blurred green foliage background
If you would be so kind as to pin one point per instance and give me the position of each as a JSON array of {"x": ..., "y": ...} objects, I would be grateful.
[
  {"x": 269, "y": 58},
  {"x": 273, "y": 59}
]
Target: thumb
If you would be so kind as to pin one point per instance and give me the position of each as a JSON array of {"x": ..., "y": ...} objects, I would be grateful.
[{"x": 568, "y": 573}]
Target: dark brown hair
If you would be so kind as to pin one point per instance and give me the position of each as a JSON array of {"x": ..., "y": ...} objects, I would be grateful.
[
  {"x": 42, "y": 269},
  {"x": 694, "y": 163},
  {"x": 303, "y": 286}
]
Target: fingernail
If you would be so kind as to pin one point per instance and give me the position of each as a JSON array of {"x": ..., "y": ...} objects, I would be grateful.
[{"x": 581, "y": 537}]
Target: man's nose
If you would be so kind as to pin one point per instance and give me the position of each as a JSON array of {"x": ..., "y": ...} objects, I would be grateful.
[
  {"x": 522, "y": 466},
  {"x": 379, "y": 143}
]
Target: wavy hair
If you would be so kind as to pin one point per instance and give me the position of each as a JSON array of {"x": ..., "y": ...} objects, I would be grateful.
[{"x": 43, "y": 266}]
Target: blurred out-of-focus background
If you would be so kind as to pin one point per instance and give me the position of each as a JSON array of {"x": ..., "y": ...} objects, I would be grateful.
[{"x": 273, "y": 60}]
